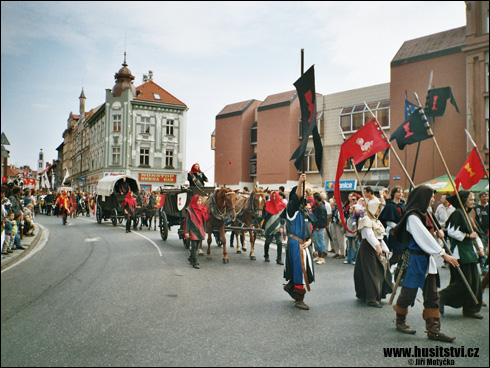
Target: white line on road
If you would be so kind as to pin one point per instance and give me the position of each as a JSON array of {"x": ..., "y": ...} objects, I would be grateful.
[
  {"x": 151, "y": 241},
  {"x": 133, "y": 232}
]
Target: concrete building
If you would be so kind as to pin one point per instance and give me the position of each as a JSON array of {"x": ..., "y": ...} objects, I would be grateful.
[{"x": 458, "y": 58}]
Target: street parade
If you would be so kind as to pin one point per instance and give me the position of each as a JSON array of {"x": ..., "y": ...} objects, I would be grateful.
[{"x": 304, "y": 242}]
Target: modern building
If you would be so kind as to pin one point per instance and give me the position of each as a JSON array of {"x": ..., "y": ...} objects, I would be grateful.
[
  {"x": 457, "y": 58},
  {"x": 254, "y": 140}
]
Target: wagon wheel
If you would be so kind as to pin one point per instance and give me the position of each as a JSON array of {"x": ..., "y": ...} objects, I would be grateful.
[
  {"x": 114, "y": 217},
  {"x": 120, "y": 220},
  {"x": 98, "y": 214},
  {"x": 163, "y": 225}
]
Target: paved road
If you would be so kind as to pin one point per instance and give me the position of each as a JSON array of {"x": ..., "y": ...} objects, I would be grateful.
[{"x": 96, "y": 296}]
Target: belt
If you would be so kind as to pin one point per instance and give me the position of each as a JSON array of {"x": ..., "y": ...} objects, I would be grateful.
[
  {"x": 418, "y": 253},
  {"x": 296, "y": 238}
]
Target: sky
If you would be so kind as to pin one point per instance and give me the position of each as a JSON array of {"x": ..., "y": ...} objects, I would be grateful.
[{"x": 207, "y": 54}]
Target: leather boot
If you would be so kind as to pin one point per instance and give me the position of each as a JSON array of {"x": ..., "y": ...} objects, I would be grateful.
[
  {"x": 401, "y": 315},
  {"x": 433, "y": 326},
  {"x": 299, "y": 295},
  {"x": 401, "y": 325},
  {"x": 289, "y": 288}
]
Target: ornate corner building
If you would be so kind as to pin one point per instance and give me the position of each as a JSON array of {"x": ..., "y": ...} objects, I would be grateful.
[{"x": 139, "y": 131}]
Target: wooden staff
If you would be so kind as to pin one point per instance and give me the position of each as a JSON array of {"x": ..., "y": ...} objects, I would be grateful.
[
  {"x": 429, "y": 129},
  {"x": 446, "y": 247}
]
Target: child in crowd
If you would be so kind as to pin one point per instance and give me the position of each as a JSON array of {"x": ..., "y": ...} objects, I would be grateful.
[{"x": 358, "y": 210}]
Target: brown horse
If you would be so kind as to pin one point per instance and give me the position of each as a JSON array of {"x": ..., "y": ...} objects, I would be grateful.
[
  {"x": 221, "y": 206},
  {"x": 249, "y": 214}
]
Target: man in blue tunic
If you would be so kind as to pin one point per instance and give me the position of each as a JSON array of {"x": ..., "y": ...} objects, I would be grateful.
[
  {"x": 298, "y": 255},
  {"x": 421, "y": 273}
]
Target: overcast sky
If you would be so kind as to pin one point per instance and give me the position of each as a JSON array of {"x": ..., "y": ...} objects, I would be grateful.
[{"x": 207, "y": 54}]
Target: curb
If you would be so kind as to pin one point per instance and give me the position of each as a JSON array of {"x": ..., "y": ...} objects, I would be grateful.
[{"x": 18, "y": 255}]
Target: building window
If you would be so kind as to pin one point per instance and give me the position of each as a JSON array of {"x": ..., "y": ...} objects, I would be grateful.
[
  {"x": 117, "y": 122},
  {"x": 319, "y": 119},
  {"x": 116, "y": 155},
  {"x": 169, "y": 159},
  {"x": 351, "y": 118},
  {"x": 253, "y": 134},
  {"x": 253, "y": 165},
  {"x": 169, "y": 127},
  {"x": 213, "y": 140},
  {"x": 145, "y": 125},
  {"x": 144, "y": 157},
  {"x": 309, "y": 164}
]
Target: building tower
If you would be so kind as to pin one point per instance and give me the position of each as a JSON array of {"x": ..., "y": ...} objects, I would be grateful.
[
  {"x": 40, "y": 162},
  {"x": 124, "y": 79}
]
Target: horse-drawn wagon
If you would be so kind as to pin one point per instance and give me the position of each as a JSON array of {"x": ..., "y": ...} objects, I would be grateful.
[
  {"x": 109, "y": 198},
  {"x": 173, "y": 212}
]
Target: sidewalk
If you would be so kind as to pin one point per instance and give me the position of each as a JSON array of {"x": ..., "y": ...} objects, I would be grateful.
[{"x": 29, "y": 242}]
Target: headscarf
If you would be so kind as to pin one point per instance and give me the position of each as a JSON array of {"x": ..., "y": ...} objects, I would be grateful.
[
  {"x": 194, "y": 169},
  {"x": 417, "y": 204},
  {"x": 463, "y": 194},
  {"x": 458, "y": 217},
  {"x": 274, "y": 206},
  {"x": 201, "y": 212},
  {"x": 129, "y": 200}
]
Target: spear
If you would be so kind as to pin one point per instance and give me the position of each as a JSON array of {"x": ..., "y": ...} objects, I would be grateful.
[{"x": 436, "y": 224}]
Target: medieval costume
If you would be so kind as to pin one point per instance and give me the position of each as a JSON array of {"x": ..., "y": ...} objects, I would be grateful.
[
  {"x": 372, "y": 277},
  {"x": 390, "y": 216},
  {"x": 463, "y": 247},
  {"x": 196, "y": 177},
  {"x": 129, "y": 204},
  {"x": 63, "y": 206},
  {"x": 298, "y": 230},
  {"x": 272, "y": 225},
  {"x": 195, "y": 227},
  {"x": 413, "y": 232}
]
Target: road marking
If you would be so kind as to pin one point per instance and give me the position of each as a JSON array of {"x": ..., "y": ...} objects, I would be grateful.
[
  {"x": 151, "y": 241},
  {"x": 88, "y": 240},
  {"x": 133, "y": 232}
]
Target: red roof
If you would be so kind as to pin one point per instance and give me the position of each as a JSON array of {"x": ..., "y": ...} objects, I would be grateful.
[{"x": 148, "y": 90}]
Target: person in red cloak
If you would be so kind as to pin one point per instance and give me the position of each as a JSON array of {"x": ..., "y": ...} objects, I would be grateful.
[
  {"x": 273, "y": 226},
  {"x": 129, "y": 204},
  {"x": 196, "y": 177},
  {"x": 63, "y": 206},
  {"x": 195, "y": 225}
]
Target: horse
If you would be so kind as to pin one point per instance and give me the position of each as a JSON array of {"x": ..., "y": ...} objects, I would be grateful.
[
  {"x": 151, "y": 211},
  {"x": 249, "y": 213},
  {"x": 221, "y": 206}
]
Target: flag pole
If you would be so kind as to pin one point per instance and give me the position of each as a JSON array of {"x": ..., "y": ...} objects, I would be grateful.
[
  {"x": 436, "y": 224},
  {"x": 477, "y": 151},
  {"x": 303, "y": 199},
  {"x": 456, "y": 190}
]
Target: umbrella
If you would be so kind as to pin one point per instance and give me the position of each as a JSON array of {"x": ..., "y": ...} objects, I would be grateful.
[
  {"x": 441, "y": 184},
  {"x": 481, "y": 186}
]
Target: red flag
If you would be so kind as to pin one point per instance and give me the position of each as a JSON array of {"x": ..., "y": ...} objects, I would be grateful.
[
  {"x": 471, "y": 172},
  {"x": 364, "y": 143},
  {"x": 160, "y": 200}
]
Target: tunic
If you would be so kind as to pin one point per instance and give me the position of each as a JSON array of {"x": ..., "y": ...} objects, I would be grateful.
[{"x": 294, "y": 225}]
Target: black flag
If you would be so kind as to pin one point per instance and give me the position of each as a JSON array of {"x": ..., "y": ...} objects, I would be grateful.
[
  {"x": 437, "y": 100},
  {"x": 305, "y": 87},
  {"x": 412, "y": 130}
]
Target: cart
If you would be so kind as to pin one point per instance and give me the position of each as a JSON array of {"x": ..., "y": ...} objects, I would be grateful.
[
  {"x": 109, "y": 199},
  {"x": 173, "y": 210}
]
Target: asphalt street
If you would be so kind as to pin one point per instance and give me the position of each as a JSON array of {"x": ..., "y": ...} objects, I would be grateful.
[{"x": 96, "y": 296}]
